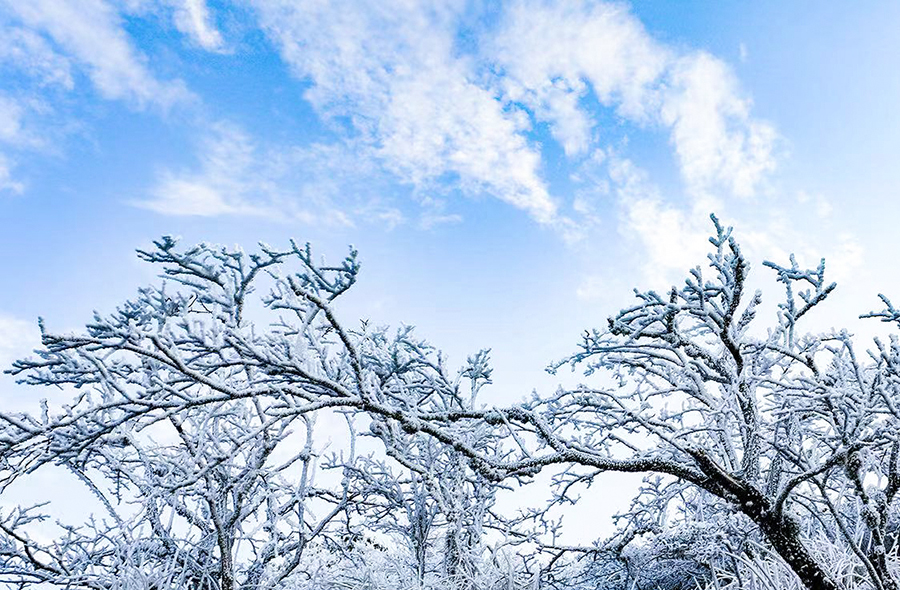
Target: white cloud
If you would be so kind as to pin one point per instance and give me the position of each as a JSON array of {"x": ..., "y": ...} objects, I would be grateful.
[
  {"x": 594, "y": 194},
  {"x": 392, "y": 217},
  {"x": 219, "y": 187},
  {"x": 716, "y": 140},
  {"x": 433, "y": 113},
  {"x": 393, "y": 70},
  {"x": 91, "y": 32},
  {"x": 13, "y": 134},
  {"x": 236, "y": 175},
  {"x": 7, "y": 182},
  {"x": 192, "y": 17},
  {"x": 11, "y": 113},
  {"x": 674, "y": 239},
  {"x": 198, "y": 196},
  {"x": 569, "y": 63},
  {"x": 434, "y": 213},
  {"x": 552, "y": 53},
  {"x": 392, "y": 78},
  {"x": 30, "y": 53},
  {"x": 846, "y": 260},
  {"x": 42, "y": 44},
  {"x": 17, "y": 339},
  {"x": 25, "y": 123}
]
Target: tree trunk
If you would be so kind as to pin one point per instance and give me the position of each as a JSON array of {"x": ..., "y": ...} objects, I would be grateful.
[
  {"x": 787, "y": 544},
  {"x": 782, "y": 533},
  {"x": 226, "y": 564},
  {"x": 784, "y": 536}
]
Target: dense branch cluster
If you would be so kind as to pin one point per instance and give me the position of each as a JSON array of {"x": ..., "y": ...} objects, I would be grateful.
[{"x": 771, "y": 456}]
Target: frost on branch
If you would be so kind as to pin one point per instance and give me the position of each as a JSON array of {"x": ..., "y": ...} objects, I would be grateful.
[
  {"x": 786, "y": 430},
  {"x": 192, "y": 425},
  {"x": 195, "y": 404}
]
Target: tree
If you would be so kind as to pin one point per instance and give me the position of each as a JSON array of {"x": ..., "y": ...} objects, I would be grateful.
[
  {"x": 788, "y": 431},
  {"x": 209, "y": 498},
  {"x": 793, "y": 436},
  {"x": 183, "y": 427},
  {"x": 433, "y": 505}
]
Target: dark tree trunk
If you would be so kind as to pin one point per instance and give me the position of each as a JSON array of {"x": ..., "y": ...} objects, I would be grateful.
[
  {"x": 784, "y": 536},
  {"x": 787, "y": 544},
  {"x": 226, "y": 564},
  {"x": 781, "y": 531}
]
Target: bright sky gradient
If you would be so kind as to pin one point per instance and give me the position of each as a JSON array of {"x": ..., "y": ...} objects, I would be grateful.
[{"x": 508, "y": 170}]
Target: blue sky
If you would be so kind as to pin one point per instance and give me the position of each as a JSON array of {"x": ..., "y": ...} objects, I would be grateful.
[{"x": 508, "y": 170}]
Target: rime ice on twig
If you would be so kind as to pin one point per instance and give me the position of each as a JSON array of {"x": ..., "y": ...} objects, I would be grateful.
[{"x": 776, "y": 442}]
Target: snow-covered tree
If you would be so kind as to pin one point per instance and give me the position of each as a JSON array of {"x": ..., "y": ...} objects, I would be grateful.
[
  {"x": 205, "y": 502},
  {"x": 791, "y": 438},
  {"x": 194, "y": 429},
  {"x": 795, "y": 433},
  {"x": 433, "y": 505}
]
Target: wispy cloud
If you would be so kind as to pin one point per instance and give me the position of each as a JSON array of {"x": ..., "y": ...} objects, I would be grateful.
[
  {"x": 18, "y": 125},
  {"x": 237, "y": 175},
  {"x": 569, "y": 64},
  {"x": 553, "y": 54},
  {"x": 433, "y": 112},
  {"x": 17, "y": 338},
  {"x": 219, "y": 186},
  {"x": 92, "y": 34},
  {"x": 10, "y": 120},
  {"x": 674, "y": 238},
  {"x": 719, "y": 145},
  {"x": 426, "y": 98},
  {"x": 558, "y": 57},
  {"x": 193, "y": 18},
  {"x": 393, "y": 70},
  {"x": 846, "y": 258},
  {"x": 7, "y": 182},
  {"x": 14, "y": 135},
  {"x": 31, "y": 54},
  {"x": 47, "y": 47}
]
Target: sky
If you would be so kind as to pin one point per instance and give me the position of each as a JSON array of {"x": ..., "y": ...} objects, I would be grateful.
[{"x": 509, "y": 171}]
